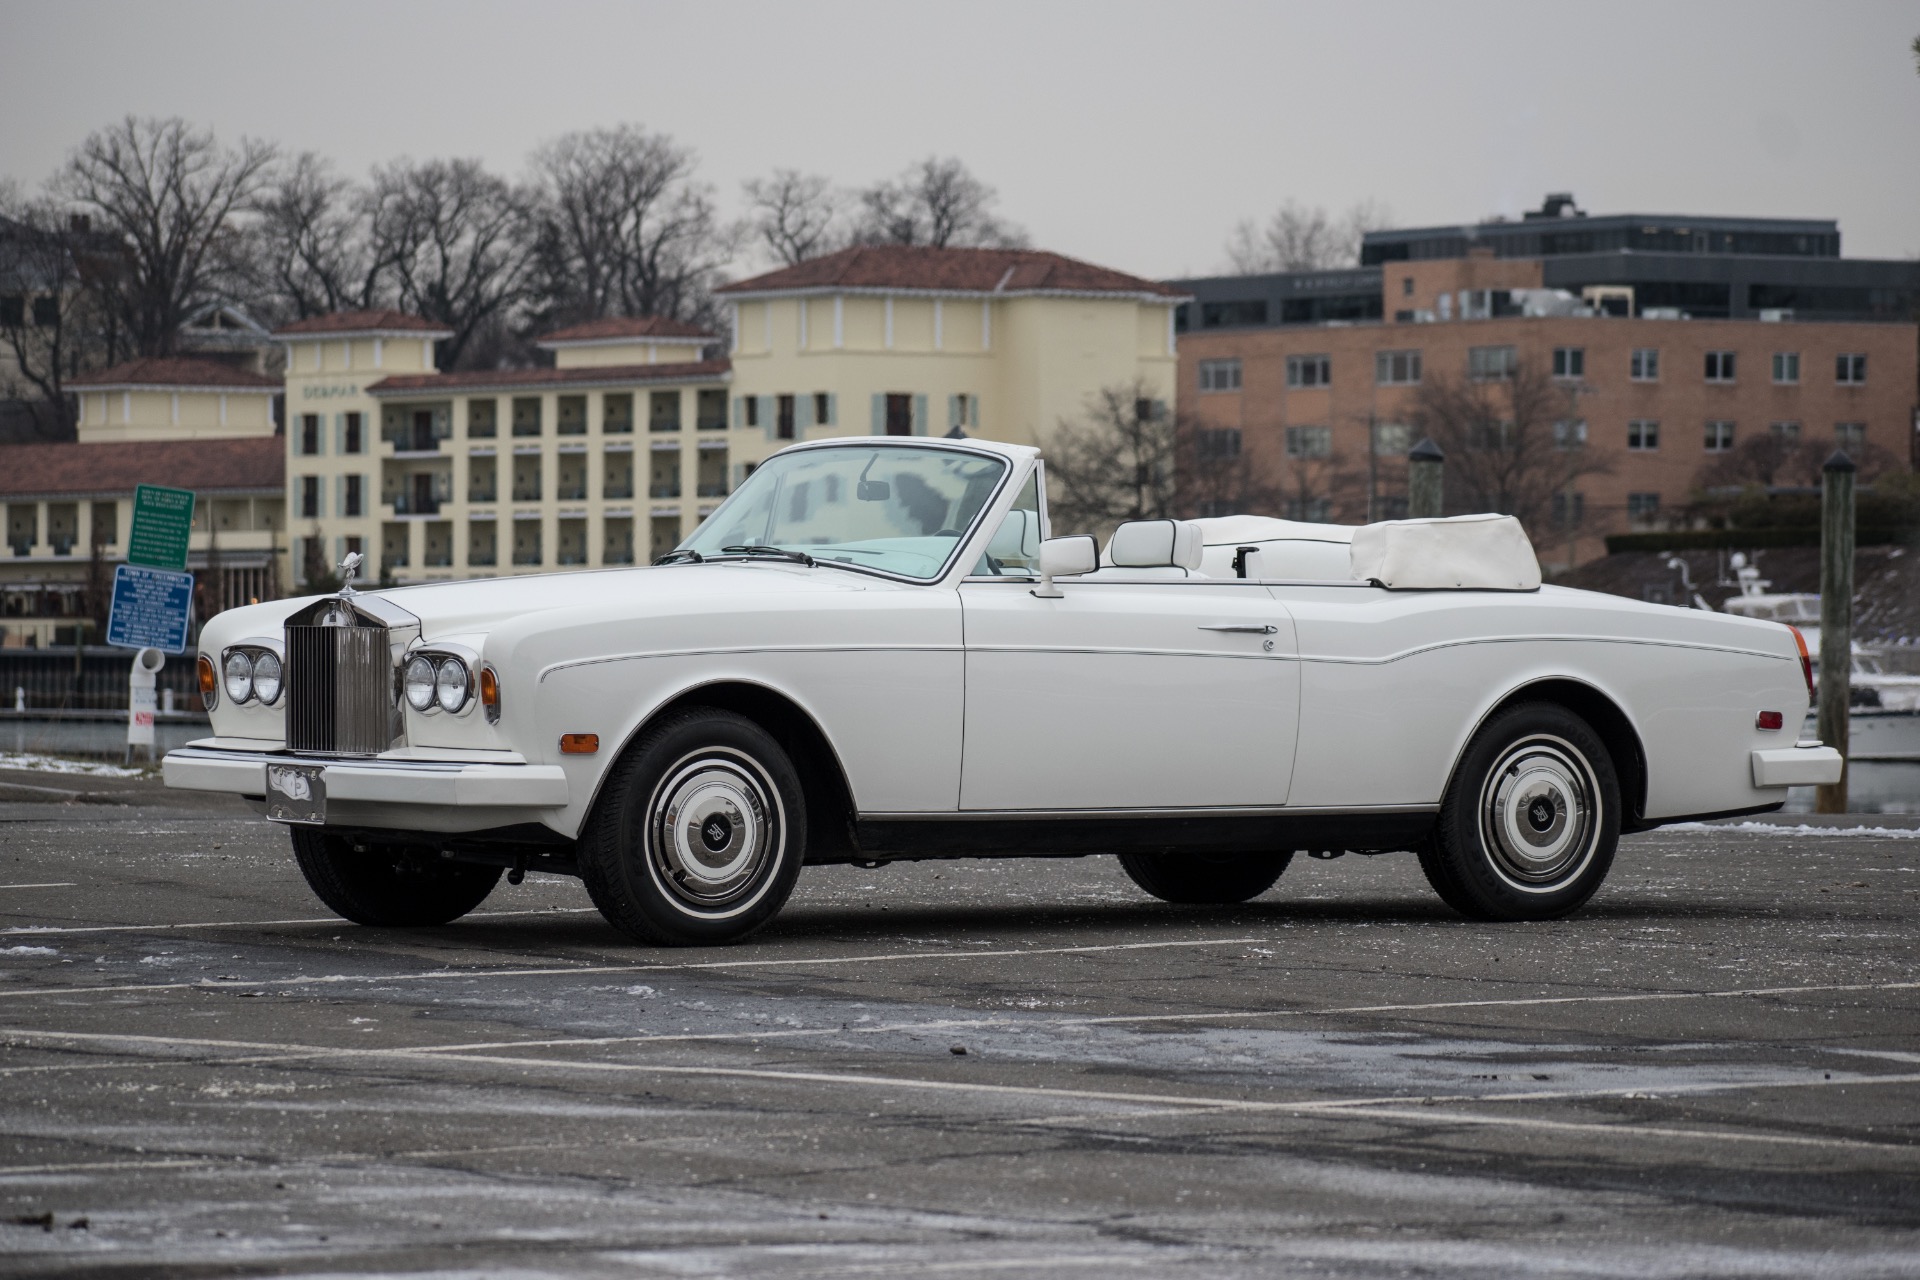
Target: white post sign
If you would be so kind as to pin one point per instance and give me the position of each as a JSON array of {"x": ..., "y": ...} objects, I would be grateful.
[{"x": 142, "y": 699}]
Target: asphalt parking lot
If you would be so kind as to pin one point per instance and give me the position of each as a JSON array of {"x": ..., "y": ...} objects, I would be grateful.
[{"x": 1011, "y": 1069}]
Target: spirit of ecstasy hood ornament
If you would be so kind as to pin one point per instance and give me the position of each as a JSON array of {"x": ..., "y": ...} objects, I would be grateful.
[{"x": 349, "y": 565}]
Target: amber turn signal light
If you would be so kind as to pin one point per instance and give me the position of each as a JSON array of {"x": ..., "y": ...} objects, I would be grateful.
[
  {"x": 1769, "y": 720},
  {"x": 490, "y": 694},
  {"x": 579, "y": 744},
  {"x": 209, "y": 682},
  {"x": 1806, "y": 660}
]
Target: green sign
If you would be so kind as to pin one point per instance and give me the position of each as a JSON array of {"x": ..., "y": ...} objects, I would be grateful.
[{"x": 162, "y": 521}]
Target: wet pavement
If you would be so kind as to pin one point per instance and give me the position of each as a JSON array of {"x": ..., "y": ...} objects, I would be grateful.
[{"x": 1004, "y": 1069}]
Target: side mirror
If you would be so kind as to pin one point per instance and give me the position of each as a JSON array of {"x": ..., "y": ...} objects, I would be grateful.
[{"x": 1065, "y": 558}]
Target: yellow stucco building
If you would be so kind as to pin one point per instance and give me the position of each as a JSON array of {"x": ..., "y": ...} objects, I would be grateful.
[
  {"x": 905, "y": 340},
  {"x": 173, "y": 398}
]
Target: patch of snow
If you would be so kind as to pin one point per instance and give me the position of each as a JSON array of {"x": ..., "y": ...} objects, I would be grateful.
[
  {"x": 1802, "y": 830},
  {"x": 29, "y": 951},
  {"x": 55, "y": 764}
]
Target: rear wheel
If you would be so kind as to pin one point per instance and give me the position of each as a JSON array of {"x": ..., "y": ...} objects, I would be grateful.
[
  {"x": 388, "y": 886},
  {"x": 1205, "y": 878},
  {"x": 1530, "y": 820},
  {"x": 699, "y": 832}
]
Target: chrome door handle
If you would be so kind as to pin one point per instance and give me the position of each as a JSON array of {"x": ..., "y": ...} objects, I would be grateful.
[{"x": 1251, "y": 628}]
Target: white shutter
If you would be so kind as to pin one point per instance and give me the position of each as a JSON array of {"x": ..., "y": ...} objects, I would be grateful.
[
  {"x": 879, "y": 414},
  {"x": 802, "y": 414},
  {"x": 956, "y": 412},
  {"x": 766, "y": 408},
  {"x": 919, "y": 415},
  {"x": 833, "y": 409}
]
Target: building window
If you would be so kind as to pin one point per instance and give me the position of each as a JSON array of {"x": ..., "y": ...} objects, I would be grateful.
[
  {"x": 1569, "y": 509},
  {"x": 1645, "y": 365},
  {"x": 309, "y": 434},
  {"x": 783, "y": 413},
  {"x": 1850, "y": 436},
  {"x": 899, "y": 414},
  {"x": 1643, "y": 508},
  {"x": 823, "y": 408},
  {"x": 1570, "y": 362},
  {"x": 1406, "y": 286},
  {"x": 1719, "y": 437},
  {"x": 1396, "y": 368},
  {"x": 1785, "y": 432},
  {"x": 350, "y": 497},
  {"x": 1310, "y": 510},
  {"x": 1719, "y": 366},
  {"x": 1219, "y": 375},
  {"x": 1850, "y": 370},
  {"x": 1570, "y": 435},
  {"x": 1217, "y": 444},
  {"x": 1392, "y": 437},
  {"x": 1309, "y": 371},
  {"x": 1309, "y": 442},
  {"x": 750, "y": 410},
  {"x": 1786, "y": 367},
  {"x": 309, "y": 497},
  {"x": 1643, "y": 436},
  {"x": 355, "y": 435},
  {"x": 1486, "y": 364}
]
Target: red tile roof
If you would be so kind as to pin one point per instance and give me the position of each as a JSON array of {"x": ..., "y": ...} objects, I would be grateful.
[
  {"x": 949, "y": 270},
  {"x": 616, "y": 327},
  {"x": 251, "y": 464},
  {"x": 344, "y": 322},
  {"x": 510, "y": 379},
  {"x": 176, "y": 371}
]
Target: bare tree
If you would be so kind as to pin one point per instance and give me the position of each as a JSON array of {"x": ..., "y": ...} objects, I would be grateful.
[
  {"x": 624, "y": 227},
  {"x": 935, "y": 202},
  {"x": 455, "y": 241},
  {"x": 1299, "y": 238},
  {"x": 174, "y": 200},
  {"x": 309, "y": 251},
  {"x": 794, "y": 215},
  {"x": 1776, "y": 459},
  {"x": 49, "y": 320},
  {"x": 1512, "y": 442},
  {"x": 1130, "y": 458}
]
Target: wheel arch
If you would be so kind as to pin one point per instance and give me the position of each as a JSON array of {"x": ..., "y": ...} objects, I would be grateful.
[
  {"x": 1608, "y": 719},
  {"x": 823, "y": 777}
]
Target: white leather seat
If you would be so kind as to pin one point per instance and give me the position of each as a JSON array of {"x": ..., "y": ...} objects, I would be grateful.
[{"x": 1169, "y": 548}]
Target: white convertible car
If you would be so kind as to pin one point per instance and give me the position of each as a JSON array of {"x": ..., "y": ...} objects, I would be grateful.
[{"x": 873, "y": 651}]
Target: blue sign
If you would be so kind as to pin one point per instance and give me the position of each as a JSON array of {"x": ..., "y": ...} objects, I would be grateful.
[{"x": 150, "y": 608}]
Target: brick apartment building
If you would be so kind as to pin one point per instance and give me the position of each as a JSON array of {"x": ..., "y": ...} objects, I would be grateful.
[{"x": 1672, "y": 341}]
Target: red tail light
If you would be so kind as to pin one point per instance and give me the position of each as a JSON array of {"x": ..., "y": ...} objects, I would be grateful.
[
  {"x": 1806, "y": 660},
  {"x": 1770, "y": 720}
]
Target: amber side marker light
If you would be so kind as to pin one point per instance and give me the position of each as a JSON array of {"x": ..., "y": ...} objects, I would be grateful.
[
  {"x": 490, "y": 694},
  {"x": 1769, "y": 720},
  {"x": 579, "y": 744},
  {"x": 209, "y": 682},
  {"x": 1806, "y": 660}
]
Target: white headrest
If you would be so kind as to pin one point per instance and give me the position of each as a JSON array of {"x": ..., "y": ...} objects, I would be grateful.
[{"x": 1155, "y": 544}]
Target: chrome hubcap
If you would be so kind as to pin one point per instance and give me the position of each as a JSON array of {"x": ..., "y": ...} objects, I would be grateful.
[
  {"x": 712, "y": 829},
  {"x": 1539, "y": 815}
]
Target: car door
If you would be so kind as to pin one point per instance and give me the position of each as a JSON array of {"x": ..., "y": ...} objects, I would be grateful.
[{"x": 1143, "y": 693}]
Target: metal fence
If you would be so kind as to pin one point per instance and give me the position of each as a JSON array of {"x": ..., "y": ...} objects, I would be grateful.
[{"x": 60, "y": 679}]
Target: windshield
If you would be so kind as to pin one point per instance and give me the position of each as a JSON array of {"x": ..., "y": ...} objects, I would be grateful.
[{"x": 895, "y": 508}]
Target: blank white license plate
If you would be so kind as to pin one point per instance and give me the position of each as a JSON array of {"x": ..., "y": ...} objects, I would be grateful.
[{"x": 296, "y": 793}]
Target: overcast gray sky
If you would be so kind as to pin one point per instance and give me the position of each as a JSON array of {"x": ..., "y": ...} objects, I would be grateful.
[{"x": 1133, "y": 134}]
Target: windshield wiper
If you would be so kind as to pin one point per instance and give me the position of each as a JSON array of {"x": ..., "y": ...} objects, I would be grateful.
[
  {"x": 761, "y": 549},
  {"x": 688, "y": 554}
]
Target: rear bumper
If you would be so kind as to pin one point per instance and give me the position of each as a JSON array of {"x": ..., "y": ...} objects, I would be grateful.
[
  {"x": 1804, "y": 764},
  {"x": 451, "y": 784}
]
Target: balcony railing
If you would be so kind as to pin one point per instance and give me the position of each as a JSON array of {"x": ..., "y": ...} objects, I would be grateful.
[
  {"x": 523, "y": 494},
  {"x": 619, "y": 490},
  {"x": 664, "y": 424},
  {"x": 21, "y": 548},
  {"x": 715, "y": 490},
  {"x": 572, "y": 492},
  {"x": 488, "y": 494},
  {"x": 414, "y": 441},
  {"x": 711, "y": 424},
  {"x": 664, "y": 491},
  {"x": 63, "y": 546},
  {"x": 485, "y": 561},
  {"x": 413, "y": 504}
]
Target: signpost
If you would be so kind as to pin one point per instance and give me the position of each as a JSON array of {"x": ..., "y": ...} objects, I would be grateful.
[{"x": 152, "y": 598}]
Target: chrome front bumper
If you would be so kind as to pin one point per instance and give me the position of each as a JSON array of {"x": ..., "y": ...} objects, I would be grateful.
[
  {"x": 1804, "y": 764},
  {"x": 457, "y": 784}
]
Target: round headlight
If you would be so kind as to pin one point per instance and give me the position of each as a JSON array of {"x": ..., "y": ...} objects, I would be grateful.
[
  {"x": 266, "y": 678},
  {"x": 239, "y": 676},
  {"x": 454, "y": 686},
  {"x": 420, "y": 677}
]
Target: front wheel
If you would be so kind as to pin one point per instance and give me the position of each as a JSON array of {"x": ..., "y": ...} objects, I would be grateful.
[
  {"x": 699, "y": 832},
  {"x": 387, "y": 886},
  {"x": 1205, "y": 878},
  {"x": 1530, "y": 820}
]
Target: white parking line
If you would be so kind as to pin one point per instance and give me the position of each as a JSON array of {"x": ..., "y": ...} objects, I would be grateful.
[
  {"x": 1395, "y": 1107},
  {"x": 338, "y": 979},
  {"x": 63, "y": 884}
]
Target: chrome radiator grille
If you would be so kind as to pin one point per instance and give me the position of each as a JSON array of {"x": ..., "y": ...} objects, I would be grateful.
[{"x": 339, "y": 690}]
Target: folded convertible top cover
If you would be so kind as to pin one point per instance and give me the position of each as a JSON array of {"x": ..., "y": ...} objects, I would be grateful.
[{"x": 1486, "y": 553}]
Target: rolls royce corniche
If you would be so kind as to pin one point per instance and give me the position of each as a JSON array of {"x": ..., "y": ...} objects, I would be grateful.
[{"x": 875, "y": 650}]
